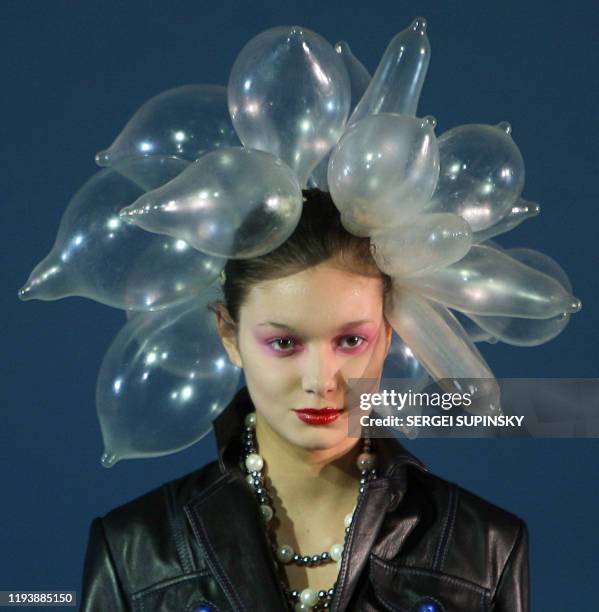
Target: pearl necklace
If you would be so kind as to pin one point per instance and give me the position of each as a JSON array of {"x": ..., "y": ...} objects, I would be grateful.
[{"x": 308, "y": 599}]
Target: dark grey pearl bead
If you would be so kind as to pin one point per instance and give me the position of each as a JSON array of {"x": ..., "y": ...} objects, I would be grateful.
[
  {"x": 322, "y": 594},
  {"x": 316, "y": 559},
  {"x": 294, "y": 594},
  {"x": 305, "y": 560},
  {"x": 296, "y": 558},
  {"x": 331, "y": 592},
  {"x": 325, "y": 556},
  {"x": 362, "y": 489}
]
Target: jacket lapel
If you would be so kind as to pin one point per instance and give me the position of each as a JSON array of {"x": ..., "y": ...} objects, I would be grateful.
[
  {"x": 371, "y": 530},
  {"x": 227, "y": 524},
  {"x": 368, "y": 519}
]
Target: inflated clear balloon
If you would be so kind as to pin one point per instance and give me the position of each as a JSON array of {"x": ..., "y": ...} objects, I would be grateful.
[
  {"x": 482, "y": 173},
  {"x": 529, "y": 332},
  {"x": 234, "y": 203},
  {"x": 289, "y": 95},
  {"x": 98, "y": 256},
  {"x": 397, "y": 82},
  {"x": 519, "y": 212},
  {"x": 429, "y": 242},
  {"x": 184, "y": 122},
  {"x": 384, "y": 170},
  {"x": 163, "y": 380},
  {"x": 442, "y": 346},
  {"x": 402, "y": 363},
  {"x": 359, "y": 78},
  {"x": 489, "y": 282},
  {"x": 474, "y": 331}
]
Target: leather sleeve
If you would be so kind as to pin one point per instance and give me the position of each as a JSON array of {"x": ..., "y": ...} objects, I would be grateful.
[
  {"x": 101, "y": 588},
  {"x": 512, "y": 593}
]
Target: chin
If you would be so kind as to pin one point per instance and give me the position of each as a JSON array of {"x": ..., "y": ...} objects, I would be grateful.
[{"x": 312, "y": 437}]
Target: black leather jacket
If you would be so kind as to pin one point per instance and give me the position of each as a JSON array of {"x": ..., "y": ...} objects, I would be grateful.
[{"x": 198, "y": 543}]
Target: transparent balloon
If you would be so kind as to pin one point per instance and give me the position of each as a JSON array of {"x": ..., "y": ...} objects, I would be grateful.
[
  {"x": 529, "y": 332},
  {"x": 399, "y": 77},
  {"x": 184, "y": 122},
  {"x": 289, "y": 95},
  {"x": 429, "y": 242},
  {"x": 489, "y": 282},
  {"x": 163, "y": 380},
  {"x": 384, "y": 170},
  {"x": 519, "y": 212},
  {"x": 359, "y": 78},
  {"x": 442, "y": 346},
  {"x": 98, "y": 256},
  {"x": 482, "y": 173},
  {"x": 474, "y": 331},
  {"x": 402, "y": 363},
  {"x": 235, "y": 203}
]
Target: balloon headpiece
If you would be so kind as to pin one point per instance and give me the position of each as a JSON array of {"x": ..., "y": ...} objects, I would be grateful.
[{"x": 202, "y": 173}]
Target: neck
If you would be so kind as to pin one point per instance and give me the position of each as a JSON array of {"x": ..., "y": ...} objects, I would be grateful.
[{"x": 305, "y": 476}]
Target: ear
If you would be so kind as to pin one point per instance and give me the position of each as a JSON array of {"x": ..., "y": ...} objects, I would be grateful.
[{"x": 227, "y": 330}]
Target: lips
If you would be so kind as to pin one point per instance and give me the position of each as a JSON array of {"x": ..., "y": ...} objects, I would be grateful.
[{"x": 318, "y": 416}]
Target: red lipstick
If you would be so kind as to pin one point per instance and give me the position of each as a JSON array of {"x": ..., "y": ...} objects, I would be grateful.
[{"x": 317, "y": 416}]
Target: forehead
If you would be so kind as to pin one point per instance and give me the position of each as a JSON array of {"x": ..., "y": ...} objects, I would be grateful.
[{"x": 318, "y": 297}]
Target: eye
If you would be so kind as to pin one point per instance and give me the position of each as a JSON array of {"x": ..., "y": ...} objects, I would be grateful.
[
  {"x": 355, "y": 341},
  {"x": 282, "y": 345}
]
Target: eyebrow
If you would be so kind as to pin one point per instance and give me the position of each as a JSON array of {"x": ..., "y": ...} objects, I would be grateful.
[{"x": 287, "y": 327}]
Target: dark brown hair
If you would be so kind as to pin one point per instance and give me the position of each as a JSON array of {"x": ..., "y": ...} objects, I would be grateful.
[{"x": 318, "y": 237}]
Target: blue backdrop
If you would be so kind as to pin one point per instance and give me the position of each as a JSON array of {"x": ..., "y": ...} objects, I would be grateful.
[{"x": 75, "y": 72}]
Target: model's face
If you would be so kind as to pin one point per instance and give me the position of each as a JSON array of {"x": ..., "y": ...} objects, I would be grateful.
[{"x": 301, "y": 338}]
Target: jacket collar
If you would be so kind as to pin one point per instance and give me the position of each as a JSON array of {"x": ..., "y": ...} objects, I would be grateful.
[{"x": 248, "y": 578}]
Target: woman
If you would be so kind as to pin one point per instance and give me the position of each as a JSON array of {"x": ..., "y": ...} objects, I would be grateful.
[{"x": 296, "y": 514}]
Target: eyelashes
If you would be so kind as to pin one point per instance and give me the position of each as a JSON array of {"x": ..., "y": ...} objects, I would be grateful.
[{"x": 286, "y": 345}]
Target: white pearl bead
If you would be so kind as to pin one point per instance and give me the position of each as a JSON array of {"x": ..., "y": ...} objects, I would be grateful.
[
  {"x": 348, "y": 519},
  {"x": 308, "y": 597},
  {"x": 254, "y": 463},
  {"x": 336, "y": 551},
  {"x": 250, "y": 479},
  {"x": 267, "y": 512},
  {"x": 300, "y": 607},
  {"x": 284, "y": 553},
  {"x": 250, "y": 419}
]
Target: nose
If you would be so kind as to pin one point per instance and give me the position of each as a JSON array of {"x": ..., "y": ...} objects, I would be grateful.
[{"x": 320, "y": 370}]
